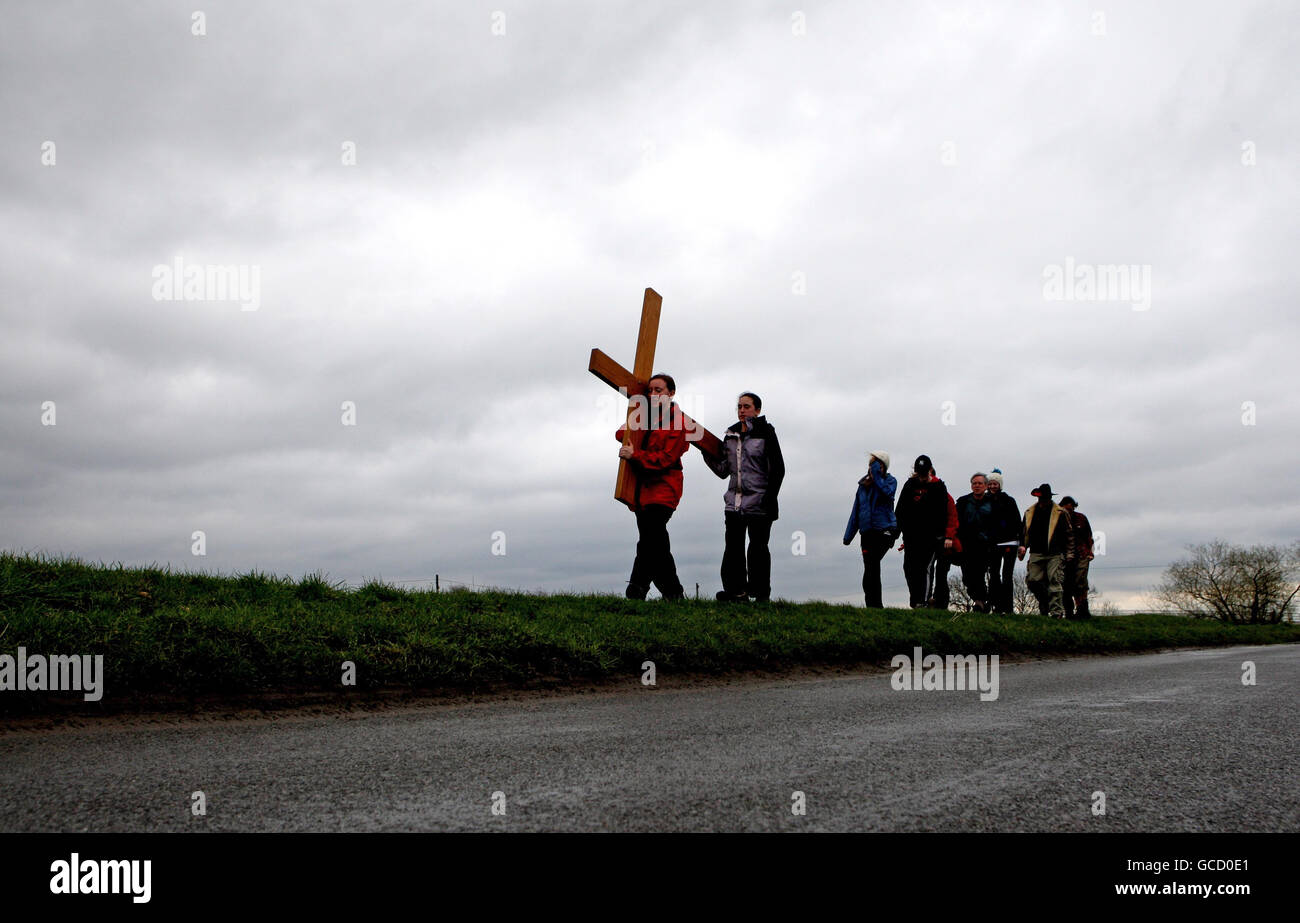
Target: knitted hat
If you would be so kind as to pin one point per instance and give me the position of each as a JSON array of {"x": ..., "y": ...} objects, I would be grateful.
[
  {"x": 883, "y": 456},
  {"x": 996, "y": 476}
]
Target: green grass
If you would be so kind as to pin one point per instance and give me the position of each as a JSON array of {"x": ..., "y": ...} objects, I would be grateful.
[{"x": 168, "y": 635}]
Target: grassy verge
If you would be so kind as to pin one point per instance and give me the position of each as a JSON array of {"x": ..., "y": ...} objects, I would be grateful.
[{"x": 171, "y": 635}]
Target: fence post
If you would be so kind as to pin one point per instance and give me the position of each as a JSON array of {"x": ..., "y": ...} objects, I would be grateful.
[{"x": 436, "y": 587}]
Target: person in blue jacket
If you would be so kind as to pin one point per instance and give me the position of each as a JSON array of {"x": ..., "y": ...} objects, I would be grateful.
[{"x": 873, "y": 518}]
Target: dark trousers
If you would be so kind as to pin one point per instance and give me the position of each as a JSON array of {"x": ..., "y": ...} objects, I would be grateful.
[
  {"x": 917, "y": 554},
  {"x": 1076, "y": 589},
  {"x": 1002, "y": 567},
  {"x": 747, "y": 573},
  {"x": 937, "y": 586},
  {"x": 975, "y": 561},
  {"x": 654, "y": 557},
  {"x": 874, "y": 546}
]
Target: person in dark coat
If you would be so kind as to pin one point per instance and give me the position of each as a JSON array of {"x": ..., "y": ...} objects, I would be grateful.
[
  {"x": 872, "y": 517},
  {"x": 1007, "y": 540},
  {"x": 752, "y": 458},
  {"x": 936, "y": 590},
  {"x": 922, "y": 514},
  {"x": 976, "y": 528},
  {"x": 1075, "y": 592}
]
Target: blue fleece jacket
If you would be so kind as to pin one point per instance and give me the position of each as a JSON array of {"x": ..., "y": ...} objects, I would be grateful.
[{"x": 873, "y": 505}]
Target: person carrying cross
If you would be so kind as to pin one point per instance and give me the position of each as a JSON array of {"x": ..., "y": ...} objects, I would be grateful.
[{"x": 654, "y": 455}]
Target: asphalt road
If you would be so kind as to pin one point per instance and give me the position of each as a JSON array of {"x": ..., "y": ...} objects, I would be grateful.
[{"x": 1175, "y": 742}]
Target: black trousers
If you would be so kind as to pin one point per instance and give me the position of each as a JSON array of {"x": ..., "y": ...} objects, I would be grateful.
[
  {"x": 874, "y": 546},
  {"x": 654, "y": 557},
  {"x": 975, "y": 561},
  {"x": 1002, "y": 568},
  {"x": 747, "y": 573},
  {"x": 937, "y": 585},
  {"x": 1076, "y": 589},
  {"x": 917, "y": 555}
]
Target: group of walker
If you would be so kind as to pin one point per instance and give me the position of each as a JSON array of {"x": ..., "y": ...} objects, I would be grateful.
[{"x": 983, "y": 532}]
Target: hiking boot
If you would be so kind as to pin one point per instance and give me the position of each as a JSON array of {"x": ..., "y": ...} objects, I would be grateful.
[{"x": 636, "y": 592}]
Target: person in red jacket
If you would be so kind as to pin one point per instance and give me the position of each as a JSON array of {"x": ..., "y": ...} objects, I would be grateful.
[
  {"x": 654, "y": 456},
  {"x": 936, "y": 596}
]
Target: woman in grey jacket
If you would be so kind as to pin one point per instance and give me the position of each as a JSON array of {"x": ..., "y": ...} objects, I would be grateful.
[{"x": 751, "y": 457}]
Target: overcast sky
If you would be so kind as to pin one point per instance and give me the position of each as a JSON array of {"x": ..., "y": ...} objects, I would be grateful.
[{"x": 854, "y": 209}]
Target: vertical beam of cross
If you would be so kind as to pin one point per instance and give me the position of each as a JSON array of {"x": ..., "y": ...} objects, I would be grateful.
[{"x": 642, "y": 368}]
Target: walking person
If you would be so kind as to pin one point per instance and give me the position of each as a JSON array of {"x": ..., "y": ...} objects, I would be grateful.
[
  {"x": 752, "y": 458},
  {"x": 1047, "y": 536},
  {"x": 922, "y": 516},
  {"x": 872, "y": 517},
  {"x": 1075, "y": 591},
  {"x": 1006, "y": 514},
  {"x": 654, "y": 455},
  {"x": 936, "y": 593},
  {"x": 976, "y": 526}
]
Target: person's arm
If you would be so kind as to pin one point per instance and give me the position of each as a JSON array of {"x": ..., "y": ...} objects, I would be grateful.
[
  {"x": 851, "y": 529},
  {"x": 902, "y": 509},
  {"x": 879, "y": 478},
  {"x": 775, "y": 471},
  {"x": 721, "y": 464},
  {"x": 1024, "y": 535},
  {"x": 662, "y": 457}
]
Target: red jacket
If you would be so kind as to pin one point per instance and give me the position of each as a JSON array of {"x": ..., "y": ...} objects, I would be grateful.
[
  {"x": 656, "y": 462},
  {"x": 950, "y": 528}
]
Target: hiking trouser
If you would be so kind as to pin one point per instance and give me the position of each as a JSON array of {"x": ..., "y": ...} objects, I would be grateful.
[
  {"x": 654, "y": 557},
  {"x": 1076, "y": 589},
  {"x": 747, "y": 572},
  {"x": 874, "y": 546},
  {"x": 1046, "y": 579},
  {"x": 917, "y": 555}
]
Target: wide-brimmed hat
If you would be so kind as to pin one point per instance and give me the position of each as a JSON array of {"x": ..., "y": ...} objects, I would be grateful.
[{"x": 1042, "y": 490}]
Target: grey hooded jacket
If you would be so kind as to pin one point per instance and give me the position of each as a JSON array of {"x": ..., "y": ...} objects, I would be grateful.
[{"x": 755, "y": 465}]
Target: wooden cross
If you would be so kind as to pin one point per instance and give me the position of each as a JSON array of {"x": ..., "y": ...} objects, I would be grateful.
[{"x": 637, "y": 383}]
